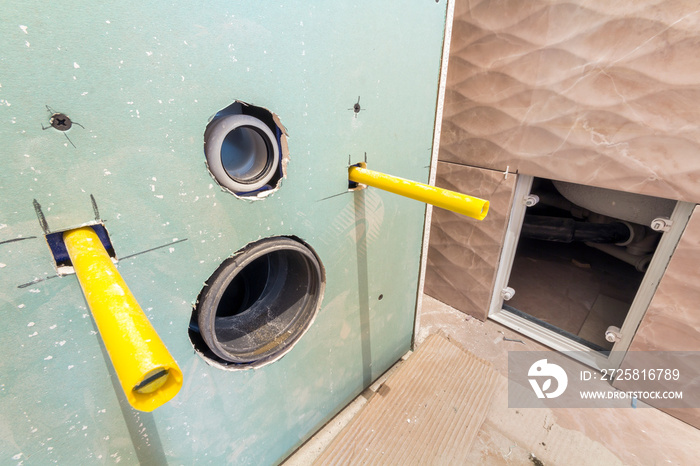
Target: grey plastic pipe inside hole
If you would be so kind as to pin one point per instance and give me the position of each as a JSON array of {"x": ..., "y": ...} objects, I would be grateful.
[{"x": 242, "y": 153}]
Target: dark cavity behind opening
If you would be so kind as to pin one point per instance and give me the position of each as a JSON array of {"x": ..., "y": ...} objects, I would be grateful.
[{"x": 258, "y": 303}]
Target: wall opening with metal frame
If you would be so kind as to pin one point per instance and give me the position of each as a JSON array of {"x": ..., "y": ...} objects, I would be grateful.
[{"x": 579, "y": 260}]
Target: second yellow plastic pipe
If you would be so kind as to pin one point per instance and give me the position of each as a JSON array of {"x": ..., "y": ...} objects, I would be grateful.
[
  {"x": 456, "y": 202},
  {"x": 147, "y": 372}
]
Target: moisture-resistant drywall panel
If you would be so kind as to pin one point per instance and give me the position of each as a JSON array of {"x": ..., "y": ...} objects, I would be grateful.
[{"x": 140, "y": 81}]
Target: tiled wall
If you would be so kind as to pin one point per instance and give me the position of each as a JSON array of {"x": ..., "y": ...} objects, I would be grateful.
[
  {"x": 594, "y": 92},
  {"x": 588, "y": 91},
  {"x": 672, "y": 321},
  {"x": 463, "y": 276}
]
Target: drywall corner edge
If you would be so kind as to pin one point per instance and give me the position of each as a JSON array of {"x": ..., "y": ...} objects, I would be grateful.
[{"x": 449, "y": 19}]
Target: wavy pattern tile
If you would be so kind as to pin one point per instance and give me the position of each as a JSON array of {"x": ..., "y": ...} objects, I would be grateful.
[
  {"x": 595, "y": 92},
  {"x": 460, "y": 276},
  {"x": 671, "y": 327}
]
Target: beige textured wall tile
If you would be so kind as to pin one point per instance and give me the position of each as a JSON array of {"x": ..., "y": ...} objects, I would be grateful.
[
  {"x": 463, "y": 252},
  {"x": 672, "y": 321},
  {"x": 594, "y": 92}
]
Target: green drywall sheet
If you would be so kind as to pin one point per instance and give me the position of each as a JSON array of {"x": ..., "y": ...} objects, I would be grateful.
[{"x": 143, "y": 79}]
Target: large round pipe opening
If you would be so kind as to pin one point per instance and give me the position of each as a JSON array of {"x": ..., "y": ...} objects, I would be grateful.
[
  {"x": 259, "y": 302},
  {"x": 242, "y": 153}
]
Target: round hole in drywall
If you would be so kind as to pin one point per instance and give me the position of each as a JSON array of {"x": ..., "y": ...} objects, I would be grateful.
[
  {"x": 258, "y": 303},
  {"x": 245, "y": 149}
]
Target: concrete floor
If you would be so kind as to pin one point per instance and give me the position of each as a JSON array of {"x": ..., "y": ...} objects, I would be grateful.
[
  {"x": 557, "y": 436},
  {"x": 511, "y": 436}
]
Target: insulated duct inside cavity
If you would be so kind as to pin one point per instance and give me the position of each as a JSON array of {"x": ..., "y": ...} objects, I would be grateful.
[{"x": 566, "y": 230}]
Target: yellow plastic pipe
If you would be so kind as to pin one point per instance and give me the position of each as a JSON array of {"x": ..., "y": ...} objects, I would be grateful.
[
  {"x": 456, "y": 202},
  {"x": 147, "y": 372}
]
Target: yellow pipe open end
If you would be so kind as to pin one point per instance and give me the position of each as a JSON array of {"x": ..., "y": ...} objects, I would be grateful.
[
  {"x": 155, "y": 388},
  {"x": 484, "y": 210},
  {"x": 147, "y": 372},
  {"x": 464, "y": 204}
]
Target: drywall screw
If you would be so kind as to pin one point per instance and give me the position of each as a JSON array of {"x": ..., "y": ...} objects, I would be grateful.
[{"x": 60, "y": 122}]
